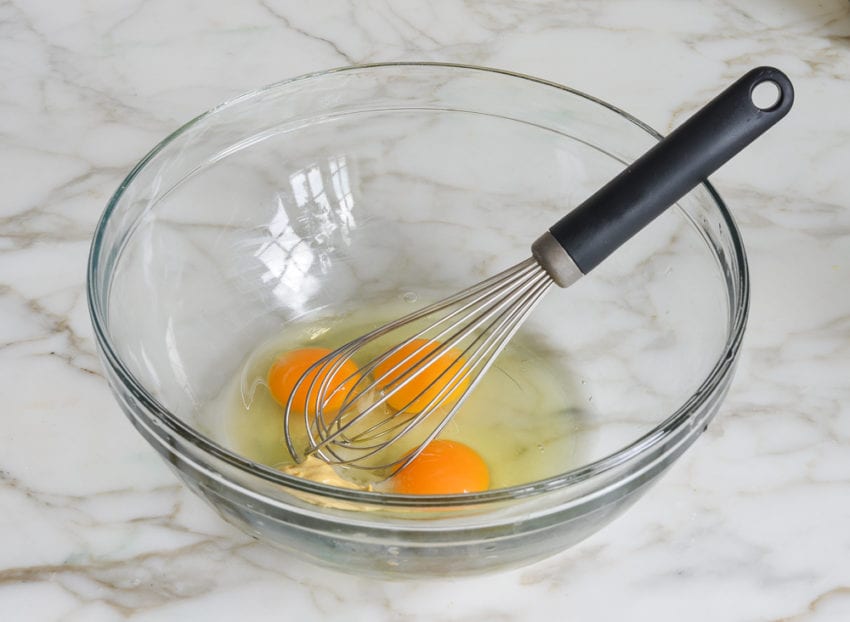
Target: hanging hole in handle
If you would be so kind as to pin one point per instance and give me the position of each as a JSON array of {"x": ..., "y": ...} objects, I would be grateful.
[{"x": 766, "y": 95}]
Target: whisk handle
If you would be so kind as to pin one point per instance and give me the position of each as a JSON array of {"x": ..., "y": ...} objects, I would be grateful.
[{"x": 673, "y": 167}]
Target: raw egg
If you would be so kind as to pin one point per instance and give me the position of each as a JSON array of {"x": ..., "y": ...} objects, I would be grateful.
[
  {"x": 290, "y": 366},
  {"x": 428, "y": 383},
  {"x": 443, "y": 468}
]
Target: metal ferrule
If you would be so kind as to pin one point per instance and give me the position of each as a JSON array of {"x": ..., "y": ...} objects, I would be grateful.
[{"x": 555, "y": 260}]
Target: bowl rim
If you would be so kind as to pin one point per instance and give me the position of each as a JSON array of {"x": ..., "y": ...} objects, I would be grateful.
[{"x": 642, "y": 446}]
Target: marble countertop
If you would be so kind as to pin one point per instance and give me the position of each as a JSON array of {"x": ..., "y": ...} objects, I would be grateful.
[{"x": 751, "y": 524}]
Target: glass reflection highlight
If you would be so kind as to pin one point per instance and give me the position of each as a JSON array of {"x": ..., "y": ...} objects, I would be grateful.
[{"x": 313, "y": 220}]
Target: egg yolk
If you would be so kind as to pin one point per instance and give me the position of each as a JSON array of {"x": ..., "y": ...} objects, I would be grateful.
[
  {"x": 440, "y": 372},
  {"x": 290, "y": 366},
  {"x": 443, "y": 468}
]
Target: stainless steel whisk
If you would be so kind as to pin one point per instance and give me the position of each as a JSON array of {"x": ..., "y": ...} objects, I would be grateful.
[{"x": 460, "y": 336}]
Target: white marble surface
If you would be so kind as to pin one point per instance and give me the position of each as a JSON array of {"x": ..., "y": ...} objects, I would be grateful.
[{"x": 750, "y": 525}]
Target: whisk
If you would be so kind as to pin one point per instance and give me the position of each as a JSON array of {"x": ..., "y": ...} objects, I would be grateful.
[{"x": 406, "y": 393}]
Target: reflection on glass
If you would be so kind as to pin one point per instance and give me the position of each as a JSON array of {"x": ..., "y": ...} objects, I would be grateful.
[
  {"x": 313, "y": 219},
  {"x": 342, "y": 190}
]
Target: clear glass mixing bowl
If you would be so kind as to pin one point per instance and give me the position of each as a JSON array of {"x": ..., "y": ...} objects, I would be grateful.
[{"x": 322, "y": 193}]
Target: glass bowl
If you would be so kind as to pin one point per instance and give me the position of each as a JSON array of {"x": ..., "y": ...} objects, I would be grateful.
[{"x": 392, "y": 182}]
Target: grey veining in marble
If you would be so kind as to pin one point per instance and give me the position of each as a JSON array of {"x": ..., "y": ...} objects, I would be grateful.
[{"x": 751, "y": 525}]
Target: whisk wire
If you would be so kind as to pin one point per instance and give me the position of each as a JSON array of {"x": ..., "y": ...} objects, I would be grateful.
[
  {"x": 473, "y": 328},
  {"x": 337, "y": 359},
  {"x": 472, "y": 296},
  {"x": 410, "y": 369}
]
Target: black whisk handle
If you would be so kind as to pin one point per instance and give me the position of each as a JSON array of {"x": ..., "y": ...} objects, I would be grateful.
[{"x": 672, "y": 168}]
